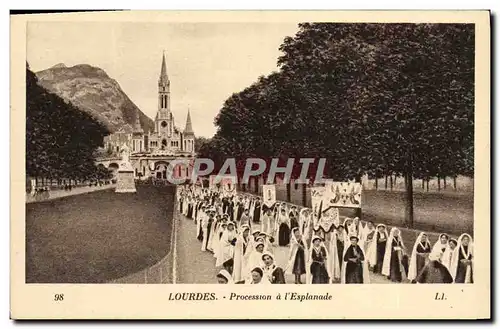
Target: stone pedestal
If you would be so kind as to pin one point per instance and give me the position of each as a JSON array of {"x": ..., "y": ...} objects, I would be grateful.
[{"x": 125, "y": 179}]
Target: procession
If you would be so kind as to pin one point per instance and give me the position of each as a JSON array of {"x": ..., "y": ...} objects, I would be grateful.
[{"x": 245, "y": 232}]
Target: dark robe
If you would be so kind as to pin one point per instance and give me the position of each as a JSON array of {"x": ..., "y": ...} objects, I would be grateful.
[
  {"x": 230, "y": 210},
  {"x": 299, "y": 265},
  {"x": 293, "y": 223},
  {"x": 462, "y": 267},
  {"x": 381, "y": 244},
  {"x": 318, "y": 266},
  {"x": 283, "y": 234},
  {"x": 340, "y": 251},
  {"x": 397, "y": 263},
  {"x": 277, "y": 276},
  {"x": 225, "y": 205},
  {"x": 190, "y": 210},
  {"x": 422, "y": 255},
  {"x": 434, "y": 272},
  {"x": 209, "y": 230},
  {"x": 354, "y": 267},
  {"x": 256, "y": 212},
  {"x": 239, "y": 211}
]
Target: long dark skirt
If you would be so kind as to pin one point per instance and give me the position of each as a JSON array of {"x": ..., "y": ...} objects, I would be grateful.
[
  {"x": 380, "y": 257},
  {"x": 284, "y": 235},
  {"x": 209, "y": 229},
  {"x": 395, "y": 273},
  {"x": 421, "y": 261},
  {"x": 299, "y": 266},
  {"x": 340, "y": 252},
  {"x": 354, "y": 272},
  {"x": 461, "y": 273},
  {"x": 256, "y": 215},
  {"x": 190, "y": 211},
  {"x": 319, "y": 273}
]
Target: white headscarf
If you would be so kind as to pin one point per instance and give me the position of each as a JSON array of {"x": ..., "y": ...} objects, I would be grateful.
[
  {"x": 438, "y": 245},
  {"x": 412, "y": 270},
  {"x": 386, "y": 266},
  {"x": 454, "y": 257},
  {"x": 226, "y": 274},
  {"x": 372, "y": 248}
]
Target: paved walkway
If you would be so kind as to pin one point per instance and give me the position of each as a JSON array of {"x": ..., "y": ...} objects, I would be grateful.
[
  {"x": 196, "y": 266},
  {"x": 55, "y": 194}
]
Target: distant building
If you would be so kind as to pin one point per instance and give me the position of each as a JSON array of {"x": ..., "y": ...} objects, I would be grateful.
[{"x": 151, "y": 151}]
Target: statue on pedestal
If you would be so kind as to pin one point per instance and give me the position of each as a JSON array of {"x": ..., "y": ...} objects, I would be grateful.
[{"x": 125, "y": 182}]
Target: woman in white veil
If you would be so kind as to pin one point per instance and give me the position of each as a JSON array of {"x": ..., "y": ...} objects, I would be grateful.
[
  {"x": 364, "y": 262},
  {"x": 441, "y": 244},
  {"x": 226, "y": 248},
  {"x": 253, "y": 259},
  {"x": 376, "y": 249},
  {"x": 297, "y": 256},
  {"x": 241, "y": 247},
  {"x": 419, "y": 255},
  {"x": 462, "y": 260},
  {"x": 446, "y": 258},
  {"x": 317, "y": 262},
  {"x": 393, "y": 266}
]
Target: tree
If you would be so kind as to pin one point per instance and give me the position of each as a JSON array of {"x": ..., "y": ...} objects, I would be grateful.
[
  {"x": 60, "y": 139},
  {"x": 393, "y": 99}
]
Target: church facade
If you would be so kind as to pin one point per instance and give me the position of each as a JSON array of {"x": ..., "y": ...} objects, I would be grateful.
[{"x": 152, "y": 151}]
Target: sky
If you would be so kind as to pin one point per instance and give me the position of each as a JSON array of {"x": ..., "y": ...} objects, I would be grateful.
[{"x": 206, "y": 62}]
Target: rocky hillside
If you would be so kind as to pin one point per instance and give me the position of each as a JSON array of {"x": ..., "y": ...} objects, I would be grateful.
[{"x": 93, "y": 91}]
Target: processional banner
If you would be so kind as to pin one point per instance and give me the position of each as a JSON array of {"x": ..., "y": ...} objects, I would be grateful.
[
  {"x": 269, "y": 195},
  {"x": 342, "y": 194}
]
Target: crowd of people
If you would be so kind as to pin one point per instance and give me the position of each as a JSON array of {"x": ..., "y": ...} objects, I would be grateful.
[{"x": 243, "y": 233}]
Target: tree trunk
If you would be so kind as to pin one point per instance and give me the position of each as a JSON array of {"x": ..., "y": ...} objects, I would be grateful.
[
  {"x": 428, "y": 184},
  {"x": 376, "y": 183},
  {"x": 455, "y": 183},
  {"x": 395, "y": 181},
  {"x": 386, "y": 182},
  {"x": 391, "y": 182},
  {"x": 288, "y": 191},
  {"x": 444, "y": 182},
  {"x": 358, "y": 212},
  {"x": 409, "y": 195},
  {"x": 304, "y": 195},
  {"x": 423, "y": 182},
  {"x": 439, "y": 183}
]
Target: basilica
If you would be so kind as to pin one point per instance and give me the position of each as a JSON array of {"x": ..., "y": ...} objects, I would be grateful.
[{"x": 151, "y": 151}]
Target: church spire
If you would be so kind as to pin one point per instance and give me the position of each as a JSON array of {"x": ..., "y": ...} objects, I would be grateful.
[
  {"x": 137, "y": 124},
  {"x": 163, "y": 73},
  {"x": 189, "y": 126}
]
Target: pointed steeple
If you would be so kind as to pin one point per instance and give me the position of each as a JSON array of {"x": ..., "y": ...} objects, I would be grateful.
[
  {"x": 137, "y": 124},
  {"x": 163, "y": 73},
  {"x": 189, "y": 126}
]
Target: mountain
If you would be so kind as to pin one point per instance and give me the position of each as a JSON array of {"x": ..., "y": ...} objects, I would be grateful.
[{"x": 91, "y": 90}]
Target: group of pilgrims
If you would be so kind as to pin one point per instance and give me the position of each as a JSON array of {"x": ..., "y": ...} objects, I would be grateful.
[{"x": 243, "y": 234}]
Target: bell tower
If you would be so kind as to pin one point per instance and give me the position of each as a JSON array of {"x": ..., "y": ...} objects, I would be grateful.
[{"x": 163, "y": 123}]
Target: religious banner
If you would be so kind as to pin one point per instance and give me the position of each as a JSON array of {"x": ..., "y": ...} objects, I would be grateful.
[
  {"x": 228, "y": 185},
  {"x": 329, "y": 219},
  {"x": 269, "y": 195},
  {"x": 317, "y": 194},
  {"x": 343, "y": 194}
]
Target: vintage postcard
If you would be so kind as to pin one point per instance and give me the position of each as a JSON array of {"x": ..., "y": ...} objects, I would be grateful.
[{"x": 250, "y": 165}]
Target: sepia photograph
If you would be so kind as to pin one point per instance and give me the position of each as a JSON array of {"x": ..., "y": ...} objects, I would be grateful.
[{"x": 294, "y": 151}]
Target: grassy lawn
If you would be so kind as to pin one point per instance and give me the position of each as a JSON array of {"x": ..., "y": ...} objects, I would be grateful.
[
  {"x": 97, "y": 237},
  {"x": 433, "y": 212},
  {"x": 451, "y": 213}
]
